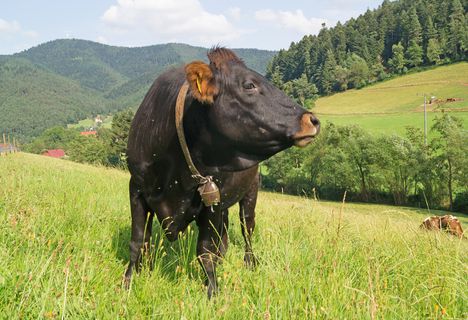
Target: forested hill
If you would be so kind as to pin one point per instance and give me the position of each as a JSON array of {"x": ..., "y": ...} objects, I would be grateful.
[
  {"x": 63, "y": 81},
  {"x": 101, "y": 67},
  {"x": 392, "y": 39}
]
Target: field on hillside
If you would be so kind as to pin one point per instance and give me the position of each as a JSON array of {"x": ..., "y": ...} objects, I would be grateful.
[
  {"x": 390, "y": 123},
  {"x": 88, "y": 123},
  {"x": 64, "y": 247},
  {"x": 391, "y": 105}
]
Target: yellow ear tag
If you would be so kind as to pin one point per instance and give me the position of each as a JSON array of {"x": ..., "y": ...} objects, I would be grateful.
[{"x": 198, "y": 84}]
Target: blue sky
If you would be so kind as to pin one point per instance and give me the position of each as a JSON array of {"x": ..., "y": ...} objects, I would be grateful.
[{"x": 247, "y": 24}]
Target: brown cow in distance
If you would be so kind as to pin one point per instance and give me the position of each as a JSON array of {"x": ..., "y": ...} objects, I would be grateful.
[
  {"x": 193, "y": 151},
  {"x": 447, "y": 223}
]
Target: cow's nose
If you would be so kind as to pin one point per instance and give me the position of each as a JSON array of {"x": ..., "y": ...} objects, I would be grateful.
[
  {"x": 313, "y": 119},
  {"x": 310, "y": 127}
]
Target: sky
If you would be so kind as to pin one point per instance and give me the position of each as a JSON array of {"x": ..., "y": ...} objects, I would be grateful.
[{"x": 259, "y": 24}]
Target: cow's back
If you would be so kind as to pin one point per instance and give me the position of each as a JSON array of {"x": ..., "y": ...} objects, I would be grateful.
[{"x": 153, "y": 127}]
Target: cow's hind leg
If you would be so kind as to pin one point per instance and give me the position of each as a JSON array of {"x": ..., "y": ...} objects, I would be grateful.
[
  {"x": 212, "y": 243},
  {"x": 247, "y": 220},
  {"x": 142, "y": 221}
]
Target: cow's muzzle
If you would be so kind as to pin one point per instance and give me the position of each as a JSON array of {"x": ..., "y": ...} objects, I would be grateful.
[{"x": 310, "y": 127}]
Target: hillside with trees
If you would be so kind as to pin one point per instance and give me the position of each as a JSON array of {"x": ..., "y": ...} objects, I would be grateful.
[
  {"x": 63, "y": 81},
  {"x": 33, "y": 98},
  {"x": 388, "y": 41}
]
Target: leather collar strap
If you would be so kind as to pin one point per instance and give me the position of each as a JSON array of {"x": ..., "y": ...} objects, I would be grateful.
[{"x": 208, "y": 190}]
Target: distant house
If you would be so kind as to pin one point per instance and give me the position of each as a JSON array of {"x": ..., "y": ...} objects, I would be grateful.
[
  {"x": 88, "y": 133},
  {"x": 54, "y": 153},
  {"x": 98, "y": 121}
]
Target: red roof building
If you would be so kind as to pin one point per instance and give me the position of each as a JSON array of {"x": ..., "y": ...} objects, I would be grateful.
[
  {"x": 88, "y": 133},
  {"x": 55, "y": 153}
]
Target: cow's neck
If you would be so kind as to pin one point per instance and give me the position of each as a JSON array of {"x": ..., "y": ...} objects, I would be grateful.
[{"x": 211, "y": 153}]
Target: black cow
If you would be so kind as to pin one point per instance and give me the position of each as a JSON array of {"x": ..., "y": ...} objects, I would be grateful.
[{"x": 233, "y": 119}]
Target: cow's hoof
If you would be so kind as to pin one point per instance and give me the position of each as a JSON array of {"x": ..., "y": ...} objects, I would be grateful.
[
  {"x": 250, "y": 260},
  {"x": 212, "y": 288},
  {"x": 127, "y": 281},
  {"x": 212, "y": 291}
]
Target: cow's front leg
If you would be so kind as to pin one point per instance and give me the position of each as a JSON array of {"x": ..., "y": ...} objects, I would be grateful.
[
  {"x": 142, "y": 221},
  {"x": 212, "y": 243},
  {"x": 247, "y": 220}
]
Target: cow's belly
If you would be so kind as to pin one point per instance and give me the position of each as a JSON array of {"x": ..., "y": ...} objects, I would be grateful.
[{"x": 176, "y": 208}]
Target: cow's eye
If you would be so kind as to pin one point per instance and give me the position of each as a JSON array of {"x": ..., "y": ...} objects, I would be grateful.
[{"x": 249, "y": 85}]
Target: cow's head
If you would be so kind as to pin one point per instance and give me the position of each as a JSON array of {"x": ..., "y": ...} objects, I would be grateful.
[{"x": 246, "y": 112}]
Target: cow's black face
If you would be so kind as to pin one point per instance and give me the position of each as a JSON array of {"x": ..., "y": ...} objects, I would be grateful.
[
  {"x": 255, "y": 116},
  {"x": 250, "y": 116}
]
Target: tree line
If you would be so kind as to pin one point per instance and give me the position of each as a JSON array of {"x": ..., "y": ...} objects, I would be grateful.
[
  {"x": 381, "y": 169},
  {"x": 390, "y": 40},
  {"x": 106, "y": 148}
]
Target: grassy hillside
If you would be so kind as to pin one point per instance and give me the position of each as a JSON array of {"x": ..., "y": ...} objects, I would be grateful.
[
  {"x": 64, "y": 247},
  {"x": 69, "y": 80},
  {"x": 391, "y": 105}
]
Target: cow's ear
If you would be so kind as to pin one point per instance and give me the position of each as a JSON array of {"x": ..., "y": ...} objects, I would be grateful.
[{"x": 201, "y": 81}]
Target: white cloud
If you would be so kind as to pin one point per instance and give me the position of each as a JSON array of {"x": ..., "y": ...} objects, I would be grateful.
[
  {"x": 168, "y": 20},
  {"x": 13, "y": 29},
  {"x": 294, "y": 20},
  {"x": 9, "y": 27}
]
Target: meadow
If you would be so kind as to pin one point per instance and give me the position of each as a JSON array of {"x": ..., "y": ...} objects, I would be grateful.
[
  {"x": 64, "y": 247},
  {"x": 389, "y": 106},
  {"x": 391, "y": 123},
  {"x": 89, "y": 123}
]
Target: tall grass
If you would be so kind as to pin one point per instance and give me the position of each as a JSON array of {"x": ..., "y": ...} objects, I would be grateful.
[{"x": 64, "y": 247}]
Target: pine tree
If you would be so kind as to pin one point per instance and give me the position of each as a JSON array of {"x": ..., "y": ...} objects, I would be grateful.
[
  {"x": 414, "y": 54},
  {"x": 458, "y": 36},
  {"x": 327, "y": 77},
  {"x": 404, "y": 28},
  {"x": 430, "y": 32},
  {"x": 414, "y": 28},
  {"x": 433, "y": 51},
  {"x": 397, "y": 62},
  {"x": 388, "y": 29},
  {"x": 339, "y": 43},
  {"x": 277, "y": 78}
]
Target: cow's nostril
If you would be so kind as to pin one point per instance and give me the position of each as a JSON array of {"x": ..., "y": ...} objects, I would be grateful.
[{"x": 314, "y": 120}]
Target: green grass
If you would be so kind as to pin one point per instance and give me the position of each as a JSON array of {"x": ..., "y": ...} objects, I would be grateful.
[
  {"x": 66, "y": 226},
  {"x": 389, "y": 106},
  {"x": 390, "y": 123}
]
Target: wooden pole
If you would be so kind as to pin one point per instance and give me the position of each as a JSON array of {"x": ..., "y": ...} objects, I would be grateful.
[
  {"x": 4, "y": 145},
  {"x": 9, "y": 144},
  {"x": 425, "y": 121}
]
